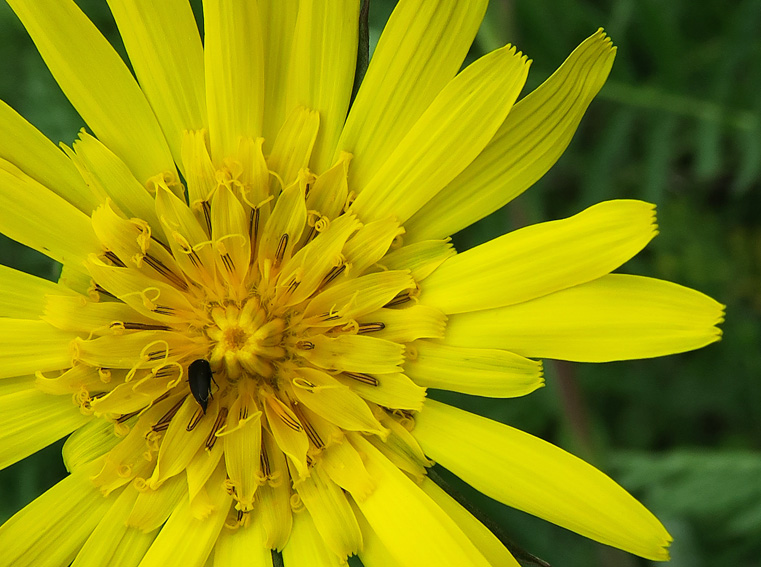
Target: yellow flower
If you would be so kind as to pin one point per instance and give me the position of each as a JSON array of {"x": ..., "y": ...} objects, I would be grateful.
[{"x": 258, "y": 287}]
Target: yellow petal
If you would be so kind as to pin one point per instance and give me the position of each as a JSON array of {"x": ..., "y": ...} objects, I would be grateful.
[
  {"x": 293, "y": 146},
  {"x": 33, "y": 346},
  {"x": 98, "y": 84},
  {"x": 343, "y": 464},
  {"x": 288, "y": 433},
  {"x": 446, "y": 138},
  {"x": 153, "y": 507},
  {"x": 486, "y": 542},
  {"x": 104, "y": 169},
  {"x": 421, "y": 48},
  {"x": 230, "y": 234},
  {"x": 420, "y": 258},
  {"x": 306, "y": 547},
  {"x": 527, "y": 473},
  {"x": 354, "y": 353},
  {"x": 186, "y": 540},
  {"x": 374, "y": 553},
  {"x": 543, "y": 258},
  {"x": 22, "y": 295},
  {"x": 333, "y": 401},
  {"x": 321, "y": 69},
  {"x": 394, "y": 390},
  {"x": 181, "y": 442},
  {"x": 28, "y": 149},
  {"x": 76, "y": 313},
  {"x": 332, "y": 515},
  {"x": 476, "y": 371},
  {"x": 243, "y": 446},
  {"x": 234, "y": 66},
  {"x": 31, "y": 420},
  {"x": 616, "y": 317},
  {"x": 370, "y": 244},
  {"x": 413, "y": 528},
  {"x": 88, "y": 443},
  {"x": 277, "y": 38},
  {"x": 40, "y": 219},
  {"x": 404, "y": 325},
  {"x": 283, "y": 228},
  {"x": 50, "y": 531},
  {"x": 165, "y": 50},
  {"x": 112, "y": 538},
  {"x": 273, "y": 506},
  {"x": 243, "y": 546},
  {"x": 535, "y": 134}
]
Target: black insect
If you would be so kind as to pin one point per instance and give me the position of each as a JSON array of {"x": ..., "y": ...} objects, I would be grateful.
[{"x": 200, "y": 378}]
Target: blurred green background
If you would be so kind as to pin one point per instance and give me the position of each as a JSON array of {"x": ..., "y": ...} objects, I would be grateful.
[{"x": 678, "y": 124}]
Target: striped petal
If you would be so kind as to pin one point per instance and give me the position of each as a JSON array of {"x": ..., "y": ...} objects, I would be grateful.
[
  {"x": 446, "y": 138},
  {"x": 23, "y": 296},
  {"x": 50, "y": 530},
  {"x": 31, "y": 419},
  {"x": 535, "y": 134},
  {"x": 28, "y": 149},
  {"x": 543, "y": 258},
  {"x": 409, "y": 524},
  {"x": 28, "y": 346},
  {"x": 409, "y": 67},
  {"x": 532, "y": 475},
  {"x": 321, "y": 69},
  {"x": 98, "y": 84},
  {"x": 234, "y": 64},
  {"x": 306, "y": 547},
  {"x": 165, "y": 50},
  {"x": 616, "y": 317}
]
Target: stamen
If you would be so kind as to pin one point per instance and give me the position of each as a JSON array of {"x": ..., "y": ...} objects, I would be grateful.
[
  {"x": 370, "y": 328},
  {"x": 280, "y": 252},
  {"x": 253, "y": 225},
  {"x": 163, "y": 310},
  {"x": 195, "y": 420},
  {"x": 311, "y": 432},
  {"x": 264, "y": 461},
  {"x": 114, "y": 259},
  {"x": 127, "y": 416},
  {"x": 305, "y": 345},
  {"x": 206, "y": 206},
  {"x": 163, "y": 423},
  {"x": 140, "y": 326},
  {"x": 401, "y": 298},
  {"x": 332, "y": 274},
  {"x": 102, "y": 291},
  {"x": 159, "y": 266},
  {"x": 362, "y": 377},
  {"x": 228, "y": 262},
  {"x": 211, "y": 439}
]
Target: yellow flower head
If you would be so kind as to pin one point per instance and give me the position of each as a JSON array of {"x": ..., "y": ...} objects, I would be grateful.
[{"x": 258, "y": 288}]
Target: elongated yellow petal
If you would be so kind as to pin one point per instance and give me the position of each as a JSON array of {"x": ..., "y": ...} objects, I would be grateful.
[
  {"x": 243, "y": 446},
  {"x": 370, "y": 244},
  {"x": 356, "y": 353},
  {"x": 333, "y": 401},
  {"x": 28, "y": 346},
  {"x": 420, "y": 258},
  {"x": 306, "y": 546},
  {"x": 186, "y": 540},
  {"x": 111, "y": 175},
  {"x": 321, "y": 68},
  {"x": 446, "y": 138},
  {"x": 234, "y": 65},
  {"x": 27, "y": 148},
  {"x": 394, "y": 390},
  {"x": 76, "y": 313},
  {"x": 476, "y": 371},
  {"x": 535, "y": 134},
  {"x": 404, "y": 325},
  {"x": 31, "y": 420},
  {"x": 542, "y": 258},
  {"x": 293, "y": 146},
  {"x": 333, "y": 517},
  {"x": 98, "y": 84},
  {"x": 486, "y": 542},
  {"x": 420, "y": 50},
  {"x": 153, "y": 507},
  {"x": 413, "y": 528},
  {"x": 87, "y": 443},
  {"x": 112, "y": 537},
  {"x": 50, "y": 530},
  {"x": 343, "y": 464},
  {"x": 532, "y": 475},
  {"x": 165, "y": 50},
  {"x": 374, "y": 553},
  {"x": 23, "y": 295},
  {"x": 277, "y": 39},
  {"x": 40, "y": 219},
  {"x": 616, "y": 317},
  {"x": 243, "y": 546},
  {"x": 273, "y": 509},
  {"x": 288, "y": 433}
]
